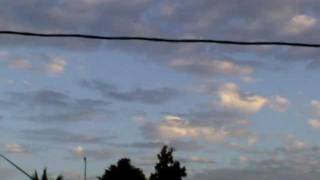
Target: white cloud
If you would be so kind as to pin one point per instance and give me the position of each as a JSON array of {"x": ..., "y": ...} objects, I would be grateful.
[
  {"x": 279, "y": 103},
  {"x": 15, "y": 148},
  {"x": 79, "y": 151},
  {"x": 300, "y": 23},
  {"x": 315, "y": 123},
  {"x": 210, "y": 67},
  {"x": 174, "y": 119},
  {"x": 231, "y": 98},
  {"x": 171, "y": 129},
  {"x": 57, "y": 66}
]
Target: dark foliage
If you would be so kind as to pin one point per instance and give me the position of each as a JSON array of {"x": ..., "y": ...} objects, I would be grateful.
[
  {"x": 167, "y": 168},
  {"x": 123, "y": 171},
  {"x": 44, "y": 176}
]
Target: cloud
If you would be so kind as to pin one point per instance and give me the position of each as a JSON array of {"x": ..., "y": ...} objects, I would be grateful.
[
  {"x": 253, "y": 174},
  {"x": 315, "y": 111},
  {"x": 211, "y": 67},
  {"x": 41, "y": 103},
  {"x": 197, "y": 160},
  {"x": 40, "y": 98},
  {"x": 101, "y": 154},
  {"x": 279, "y": 103},
  {"x": 295, "y": 159},
  {"x": 294, "y": 144},
  {"x": 315, "y": 123},
  {"x": 141, "y": 95},
  {"x": 300, "y": 23},
  {"x": 57, "y": 66},
  {"x": 21, "y": 64},
  {"x": 39, "y": 63},
  {"x": 252, "y": 140},
  {"x": 231, "y": 98},
  {"x": 271, "y": 20},
  {"x": 179, "y": 129},
  {"x": 79, "y": 151},
  {"x": 16, "y": 149}
]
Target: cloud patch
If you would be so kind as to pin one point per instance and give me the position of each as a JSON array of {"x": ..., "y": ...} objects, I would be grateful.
[
  {"x": 300, "y": 23},
  {"x": 231, "y": 98},
  {"x": 16, "y": 149},
  {"x": 140, "y": 95},
  {"x": 51, "y": 106},
  {"x": 315, "y": 123},
  {"x": 211, "y": 67},
  {"x": 279, "y": 103},
  {"x": 170, "y": 129}
]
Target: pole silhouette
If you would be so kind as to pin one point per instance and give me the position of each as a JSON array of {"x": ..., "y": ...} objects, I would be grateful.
[{"x": 85, "y": 168}]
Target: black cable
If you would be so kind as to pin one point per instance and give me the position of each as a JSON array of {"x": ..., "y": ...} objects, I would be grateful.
[
  {"x": 165, "y": 40},
  {"x": 16, "y": 166}
]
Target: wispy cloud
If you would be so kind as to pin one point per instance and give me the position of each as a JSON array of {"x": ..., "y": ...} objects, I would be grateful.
[{"x": 141, "y": 95}]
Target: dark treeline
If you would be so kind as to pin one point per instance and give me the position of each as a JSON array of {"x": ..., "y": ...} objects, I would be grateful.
[{"x": 165, "y": 169}]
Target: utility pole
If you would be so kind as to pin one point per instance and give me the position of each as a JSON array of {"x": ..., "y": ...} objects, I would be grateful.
[
  {"x": 85, "y": 168},
  {"x": 16, "y": 166}
]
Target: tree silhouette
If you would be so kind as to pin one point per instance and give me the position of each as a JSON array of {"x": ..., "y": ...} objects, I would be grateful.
[
  {"x": 44, "y": 176},
  {"x": 167, "y": 168},
  {"x": 123, "y": 170}
]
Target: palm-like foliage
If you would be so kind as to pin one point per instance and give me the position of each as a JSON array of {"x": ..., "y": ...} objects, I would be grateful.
[
  {"x": 123, "y": 170},
  {"x": 167, "y": 168},
  {"x": 44, "y": 176}
]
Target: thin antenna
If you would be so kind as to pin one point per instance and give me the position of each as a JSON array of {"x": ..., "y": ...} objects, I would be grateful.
[
  {"x": 16, "y": 166},
  {"x": 85, "y": 168}
]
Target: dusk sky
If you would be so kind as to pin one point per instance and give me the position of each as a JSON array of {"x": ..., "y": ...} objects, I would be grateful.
[{"x": 229, "y": 111}]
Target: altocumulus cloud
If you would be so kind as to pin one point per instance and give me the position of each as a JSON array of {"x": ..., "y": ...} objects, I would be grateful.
[
  {"x": 271, "y": 20},
  {"x": 40, "y": 104},
  {"x": 211, "y": 67},
  {"x": 231, "y": 97},
  {"x": 41, "y": 63},
  {"x": 140, "y": 95}
]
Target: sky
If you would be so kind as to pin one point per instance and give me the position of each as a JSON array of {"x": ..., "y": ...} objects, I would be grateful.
[{"x": 250, "y": 112}]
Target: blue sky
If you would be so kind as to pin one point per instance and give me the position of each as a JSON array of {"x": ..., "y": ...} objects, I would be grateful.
[{"x": 228, "y": 110}]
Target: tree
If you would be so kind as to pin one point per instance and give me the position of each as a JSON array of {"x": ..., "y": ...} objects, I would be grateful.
[
  {"x": 167, "y": 168},
  {"x": 44, "y": 176},
  {"x": 123, "y": 170}
]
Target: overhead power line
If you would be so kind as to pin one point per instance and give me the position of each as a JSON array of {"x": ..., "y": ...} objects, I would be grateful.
[
  {"x": 159, "y": 39},
  {"x": 16, "y": 166}
]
